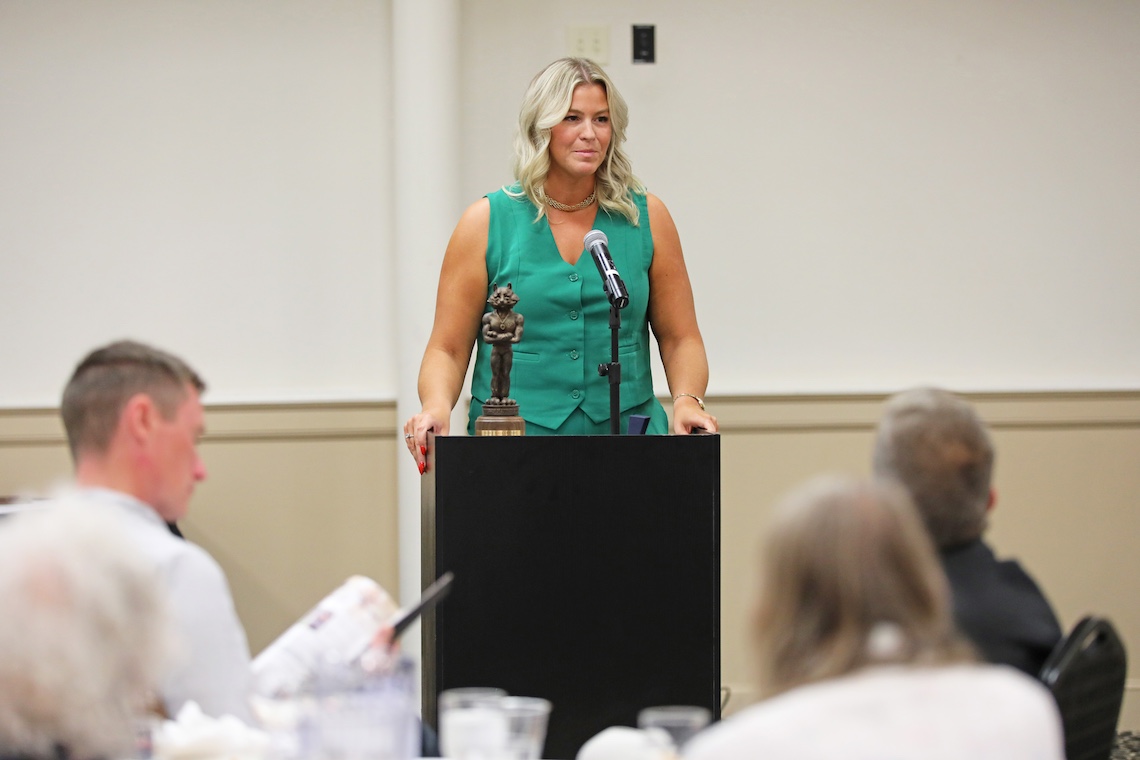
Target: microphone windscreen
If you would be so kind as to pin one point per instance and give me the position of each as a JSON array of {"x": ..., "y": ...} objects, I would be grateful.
[{"x": 596, "y": 236}]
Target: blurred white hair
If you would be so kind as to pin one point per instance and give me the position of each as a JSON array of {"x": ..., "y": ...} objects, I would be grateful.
[{"x": 84, "y": 634}]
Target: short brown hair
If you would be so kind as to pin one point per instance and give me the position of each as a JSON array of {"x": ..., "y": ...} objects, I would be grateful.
[
  {"x": 936, "y": 446},
  {"x": 107, "y": 378},
  {"x": 849, "y": 577}
]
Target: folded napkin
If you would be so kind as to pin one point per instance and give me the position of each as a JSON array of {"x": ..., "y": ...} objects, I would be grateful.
[
  {"x": 622, "y": 743},
  {"x": 193, "y": 734}
]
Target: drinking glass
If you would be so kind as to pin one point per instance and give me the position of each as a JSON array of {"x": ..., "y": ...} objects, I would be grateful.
[
  {"x": 526, "y": 726},
  {"x": 473, "y": 724},
  {"x": 679, "y": 722},
  {"x": 349, "y": 714},
  {"x": 146, "y": 728}
]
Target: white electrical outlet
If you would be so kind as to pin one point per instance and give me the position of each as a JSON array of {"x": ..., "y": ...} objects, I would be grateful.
[{"x": 591, "y": 42}]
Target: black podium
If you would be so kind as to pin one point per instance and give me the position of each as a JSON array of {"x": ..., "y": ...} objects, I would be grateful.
[{"x": 587, "y": 572}]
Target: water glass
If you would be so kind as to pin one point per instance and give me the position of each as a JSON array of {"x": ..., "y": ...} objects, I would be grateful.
[
  {"x": 526, "y": 726},
  {"x": 473, "y": 724},
  {"x": 349, "y": 715},
  {"x": 145, "y": 730},
  {"x": 679, "y": 722}
]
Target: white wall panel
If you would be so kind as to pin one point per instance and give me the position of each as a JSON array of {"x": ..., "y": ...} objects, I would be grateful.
[
  {"x": 212, "y": 177},
  {"x": 870, "y": 195}
]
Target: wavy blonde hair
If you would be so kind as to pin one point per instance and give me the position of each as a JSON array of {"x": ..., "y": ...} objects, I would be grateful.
[
  {"x": 849, "y": 578},
  {"x": 546, "y": 103}
]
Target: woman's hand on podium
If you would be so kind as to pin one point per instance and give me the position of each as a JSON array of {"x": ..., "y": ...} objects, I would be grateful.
[
  {"x": 416, "y": 432},
  {"x": 688, "y": 414}
]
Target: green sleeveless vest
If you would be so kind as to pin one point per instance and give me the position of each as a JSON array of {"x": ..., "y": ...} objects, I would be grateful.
[{"x": 566, "y": 332}]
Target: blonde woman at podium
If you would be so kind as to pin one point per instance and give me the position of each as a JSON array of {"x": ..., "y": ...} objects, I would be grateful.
[{"x": 572, "y": 177}]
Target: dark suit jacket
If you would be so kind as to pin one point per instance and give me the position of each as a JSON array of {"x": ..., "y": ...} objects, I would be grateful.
[{"x": 999, "y": 607}]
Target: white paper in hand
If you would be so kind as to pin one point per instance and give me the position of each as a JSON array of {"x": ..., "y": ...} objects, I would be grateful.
[{"x": 337, "y": 631}]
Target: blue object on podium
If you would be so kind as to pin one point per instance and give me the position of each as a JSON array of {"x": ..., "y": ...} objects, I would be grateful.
[
  {"x": 638, "y": 424},
  {"x": 587, "y": 572}
]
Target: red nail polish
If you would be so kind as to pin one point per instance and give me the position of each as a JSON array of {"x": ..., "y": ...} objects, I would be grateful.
[
  {"x": 423, "y": 466},
  {"x": 423, "y": 451}
]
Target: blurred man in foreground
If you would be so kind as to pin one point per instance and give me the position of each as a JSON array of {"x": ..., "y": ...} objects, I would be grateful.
[{"x": 133, "y": 416}]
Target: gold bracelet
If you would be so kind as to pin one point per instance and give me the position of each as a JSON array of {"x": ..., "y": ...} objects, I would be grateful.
[{"x": 698, "y": 399}]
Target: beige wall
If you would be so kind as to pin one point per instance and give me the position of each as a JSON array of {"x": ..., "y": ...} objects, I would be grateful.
[{"x": 299, "y": 497}]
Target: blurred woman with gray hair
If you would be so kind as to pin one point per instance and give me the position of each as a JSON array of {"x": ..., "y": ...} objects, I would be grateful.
[
  {"x": 857, "y": 650},
  {"x": 83, "y": 637}
]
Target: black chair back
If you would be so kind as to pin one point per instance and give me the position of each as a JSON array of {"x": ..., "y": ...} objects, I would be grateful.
[{"x": 1086, "y": 673}]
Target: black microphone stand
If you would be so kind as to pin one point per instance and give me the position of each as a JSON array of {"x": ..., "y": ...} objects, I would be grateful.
[{"x": 613, "y": 371}]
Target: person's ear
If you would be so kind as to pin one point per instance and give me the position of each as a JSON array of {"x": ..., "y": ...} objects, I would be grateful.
[
  {"x": 992, "y": 500},
  {"x": 138, "y": 417}
]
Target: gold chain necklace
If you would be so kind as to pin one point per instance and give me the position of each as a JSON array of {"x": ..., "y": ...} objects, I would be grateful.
[{"x": 563, "y": 207}]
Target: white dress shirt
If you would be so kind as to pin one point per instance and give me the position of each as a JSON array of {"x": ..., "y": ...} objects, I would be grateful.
[
  {"x": 211, "y": 664},
  {"x": 979, "y": 712}
]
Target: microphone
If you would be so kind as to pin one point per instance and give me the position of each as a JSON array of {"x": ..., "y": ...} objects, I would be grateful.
[{"x": 598, "y": 245}]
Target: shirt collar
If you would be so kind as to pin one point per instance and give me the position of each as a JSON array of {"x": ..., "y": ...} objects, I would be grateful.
[{"x": 124, "y": 501}]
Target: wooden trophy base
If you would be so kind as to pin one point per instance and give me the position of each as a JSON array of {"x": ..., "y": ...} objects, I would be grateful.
[{"x": 500, "y": 419}]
